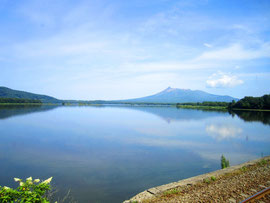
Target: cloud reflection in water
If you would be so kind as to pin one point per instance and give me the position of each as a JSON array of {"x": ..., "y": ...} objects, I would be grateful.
[{"x": 221, "y": 132}]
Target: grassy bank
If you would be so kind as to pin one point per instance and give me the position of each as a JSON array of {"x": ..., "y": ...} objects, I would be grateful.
[
  {"x": 183, "y": 106},
  {"x": 219, "y": 108}
]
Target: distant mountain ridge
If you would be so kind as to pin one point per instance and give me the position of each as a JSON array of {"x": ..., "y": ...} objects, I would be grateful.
[
  {"x": 10, "y": 93},
  {"x": 175, "y": 95},
  {"x": 169, "y": 95}
]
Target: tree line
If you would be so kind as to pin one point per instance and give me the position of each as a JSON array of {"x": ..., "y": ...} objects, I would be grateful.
[
  {"x": 251, "y": 103},
  {"x": 245, "y": 103},
  {"x": 225, "y": 104},
  {"x": 18, "y": 100}
]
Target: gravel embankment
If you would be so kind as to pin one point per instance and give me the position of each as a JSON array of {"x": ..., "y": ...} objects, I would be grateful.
[{"x": 232, "y": 187}]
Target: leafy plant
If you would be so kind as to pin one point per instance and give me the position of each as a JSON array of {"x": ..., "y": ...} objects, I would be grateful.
[
  {"x": 213, "y": 178},
  {"x": 262, "y": 162},
  {"x": 224, "y": 162},
  {"x": 207, "y": 180},
  {"x": 29, "y": 191},
  {"x": 244, "y": 168}
]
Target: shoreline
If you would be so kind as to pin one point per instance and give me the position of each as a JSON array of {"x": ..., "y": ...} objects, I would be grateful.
[
  {"x": 155, "y": 192},
  {"x": 251, "y": 109},
  {"x": 211, "y": 108},
  {"x": 29, "y": 104}
]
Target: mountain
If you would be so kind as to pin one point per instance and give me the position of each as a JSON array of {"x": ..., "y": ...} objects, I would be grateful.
[
  {"x": 169, "y": 95},
  {"x": 175, "y": 95},
  {"x": 10, "y": 93}
]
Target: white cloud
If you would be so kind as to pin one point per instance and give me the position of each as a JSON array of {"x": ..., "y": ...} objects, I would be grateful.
[
  {"x": 237, "y": 52},
  {"x": 223, "y": 80},
  {"x": 223, "y": 132},
  {"x": 208, "y": 45}
]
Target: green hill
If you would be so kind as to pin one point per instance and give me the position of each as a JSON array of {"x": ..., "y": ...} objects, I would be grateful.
[
  {"x": 10, "y": 93},
  {"x": 252, "y": 103}
]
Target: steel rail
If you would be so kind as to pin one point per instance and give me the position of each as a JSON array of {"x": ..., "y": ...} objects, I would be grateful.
[{"x": 258, "y": 195}]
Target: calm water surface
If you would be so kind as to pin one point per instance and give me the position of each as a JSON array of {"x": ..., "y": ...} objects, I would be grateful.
[{"x": 109, "y": 154}]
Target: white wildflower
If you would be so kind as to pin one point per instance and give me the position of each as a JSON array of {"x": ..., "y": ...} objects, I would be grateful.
[
  {"x": 5, "y": 187},
  {"x": 30, "y": 178},
  {"x": 48, "y": 180},
  {"x": 36, "y": 181},
  {"x": 21, "y": 183},
  {"x": 17, "y": 179}
]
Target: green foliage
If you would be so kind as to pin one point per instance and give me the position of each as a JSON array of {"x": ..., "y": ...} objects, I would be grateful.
[
  {"x": 207, "y": 180},
  {"x": 28, "y": 191},
  {"x": 172, "y": 191},
  {"x": 204, "y": 105},
  {"x": 224, "y": 162},
  {"x": 217, "y": 104},
  {"x": 213, "y": 178},
  {"x": 252, "y": 103},
  {"x": 250, "y": 116},
  {"x": 244, "y": 168},
  {"x": 262, "y": 162},
  {"x": 10, "y": 93},
  {"x": 19, "y": 101}
]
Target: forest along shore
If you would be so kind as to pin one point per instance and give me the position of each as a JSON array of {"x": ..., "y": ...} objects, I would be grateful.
[{"x": 233, "y": 184}]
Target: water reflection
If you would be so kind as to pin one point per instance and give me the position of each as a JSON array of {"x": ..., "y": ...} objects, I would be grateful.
[
  {"x": 221, "y": 132},
  {"x": 171, "y": 114},
  {"x": 110, "y": 154},
  {"x": 253, "y": 116},
  {"x": 15, "y": 110}
]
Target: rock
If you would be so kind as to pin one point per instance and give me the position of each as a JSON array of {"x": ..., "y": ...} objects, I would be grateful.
[
  {"x": 253, "y": 190},
  {"x": 231, "y": 200}
]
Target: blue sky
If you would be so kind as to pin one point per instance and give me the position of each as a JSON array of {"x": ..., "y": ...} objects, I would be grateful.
[{"x": 102, "y": 49}]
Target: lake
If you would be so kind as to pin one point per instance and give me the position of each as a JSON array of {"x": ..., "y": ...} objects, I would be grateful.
[{"x": 111, "y": 153}]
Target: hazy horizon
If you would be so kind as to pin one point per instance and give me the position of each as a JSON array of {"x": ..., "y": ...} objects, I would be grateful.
[
  {"x": 154, "y": 93},
  {"x": 102, "y": 50}
]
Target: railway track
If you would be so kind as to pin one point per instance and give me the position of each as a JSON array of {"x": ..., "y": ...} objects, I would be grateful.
[
  {"x": 250, "y": 183},
  {"x": 258, "y": 196}
]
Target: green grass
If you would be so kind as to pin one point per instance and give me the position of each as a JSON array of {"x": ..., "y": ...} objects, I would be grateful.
[
  {"x": 202, "y": 107},
  {"x": 262, "y": 162},
  {"x": 171, "y": 192},
  {"x": 207, "y": 180},
  {"x": 244, "y": 168}
]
